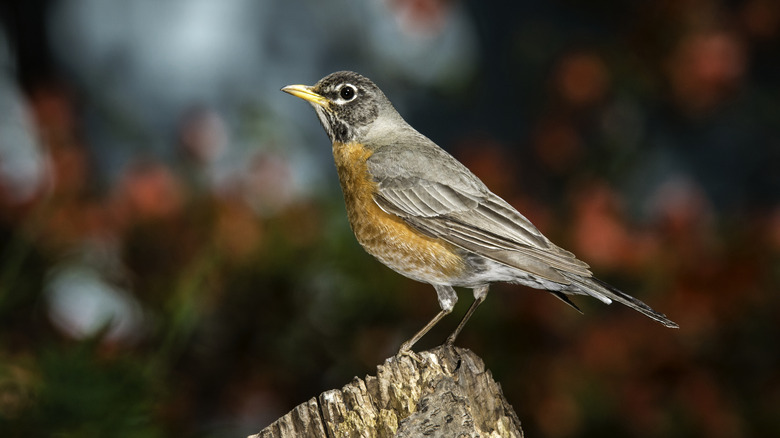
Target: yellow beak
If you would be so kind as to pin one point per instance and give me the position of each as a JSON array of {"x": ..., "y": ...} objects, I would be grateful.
[{"x": 305, "y": 93}]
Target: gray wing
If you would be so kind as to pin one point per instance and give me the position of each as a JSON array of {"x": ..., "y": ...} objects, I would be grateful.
[{"x": 437, "y": 195}]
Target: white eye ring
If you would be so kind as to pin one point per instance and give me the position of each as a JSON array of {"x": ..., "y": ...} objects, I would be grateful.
[{"x": 347, "y": 93}]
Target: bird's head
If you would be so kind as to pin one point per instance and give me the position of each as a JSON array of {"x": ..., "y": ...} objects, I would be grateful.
[{"x": 347, "y": 104}]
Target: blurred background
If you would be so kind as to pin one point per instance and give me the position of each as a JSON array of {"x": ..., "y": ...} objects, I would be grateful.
[{"x": 175, "y": 258}]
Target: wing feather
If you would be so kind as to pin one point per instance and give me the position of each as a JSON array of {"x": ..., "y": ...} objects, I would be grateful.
[{"x": 439, "y": 196}]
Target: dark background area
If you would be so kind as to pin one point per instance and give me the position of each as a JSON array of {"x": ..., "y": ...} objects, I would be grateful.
[{"x": 175, "y": 258}]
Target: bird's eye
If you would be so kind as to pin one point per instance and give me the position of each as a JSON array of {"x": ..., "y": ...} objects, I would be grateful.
[{"x": 347, "y": 92}]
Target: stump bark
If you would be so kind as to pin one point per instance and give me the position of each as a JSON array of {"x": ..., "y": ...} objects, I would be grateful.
[{"x": 443, "y": 392}]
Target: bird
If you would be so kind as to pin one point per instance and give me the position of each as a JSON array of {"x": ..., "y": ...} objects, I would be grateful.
[{"x": 425, "y": 215}]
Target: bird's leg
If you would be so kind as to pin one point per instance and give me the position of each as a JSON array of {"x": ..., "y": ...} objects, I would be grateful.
[
  {"x": 480, "y": 293},
  {"x": 406, "y": 347},
  {"x": 447, "y": 299}
]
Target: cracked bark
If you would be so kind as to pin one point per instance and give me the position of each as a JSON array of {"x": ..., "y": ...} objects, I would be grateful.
[{"x": 446, "y": 393}]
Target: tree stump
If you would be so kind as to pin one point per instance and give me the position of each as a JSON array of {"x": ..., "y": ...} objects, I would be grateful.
[{"x": 443, "y": 392}]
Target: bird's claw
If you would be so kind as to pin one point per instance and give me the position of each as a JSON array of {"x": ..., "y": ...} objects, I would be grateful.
[{"x": 408, "y": 352}]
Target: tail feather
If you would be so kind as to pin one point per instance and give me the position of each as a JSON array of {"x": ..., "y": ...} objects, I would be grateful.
[
  {"x": 599, "y": 289},
  {"x": 562, "y": 296}
]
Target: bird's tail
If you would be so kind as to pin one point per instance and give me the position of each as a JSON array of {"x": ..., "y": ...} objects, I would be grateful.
[{"x": 605, "y": 292}]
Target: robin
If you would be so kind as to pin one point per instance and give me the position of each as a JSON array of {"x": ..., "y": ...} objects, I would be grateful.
[{"x": 422, "y": 213}]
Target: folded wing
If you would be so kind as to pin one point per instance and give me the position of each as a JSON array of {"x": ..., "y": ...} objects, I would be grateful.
[{"x": 440, "y": 197}]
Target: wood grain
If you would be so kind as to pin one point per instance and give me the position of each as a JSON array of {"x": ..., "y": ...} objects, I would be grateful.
[{"x": 443, "y": 392}]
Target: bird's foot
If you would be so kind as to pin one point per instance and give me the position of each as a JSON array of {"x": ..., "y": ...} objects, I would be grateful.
[
  {"x": 406, "y": 350},
  {"x": 450, "y": 342}
]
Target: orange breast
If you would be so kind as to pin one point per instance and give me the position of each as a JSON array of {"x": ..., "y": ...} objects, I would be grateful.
[{"x": 385, "y": 236}]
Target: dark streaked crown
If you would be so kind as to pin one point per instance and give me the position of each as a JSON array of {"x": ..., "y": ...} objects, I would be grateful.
[{"x": 354, "y": 103}]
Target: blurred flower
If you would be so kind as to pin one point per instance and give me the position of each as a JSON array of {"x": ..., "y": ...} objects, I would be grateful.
[
  {"x": 148, "y": 190},
  {"x": 558, "y": 145},
  {"x": 489, "y": 160},
  {"x": 82, "y": 303},
  {"x": 23, "y": 163},
  {"x": 428, "y": 41},
  {"x": 420, "y": 16},
  {"x": 268, "y": 184},
  {"x": 238, "y": 231},
  {"x": 705, "y": 68},
  {"x": 600, "y": 234},
  {"x": 581, "y": 79},
  {"x": 68, "y": 170},
  {"x": 761, "y": 18},
  {"x": 203, "y": 135},
  {"x": 680, "y": 207}
]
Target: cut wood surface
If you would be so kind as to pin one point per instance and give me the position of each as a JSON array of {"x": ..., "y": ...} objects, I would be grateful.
[{"x": 443, "y": 392}]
